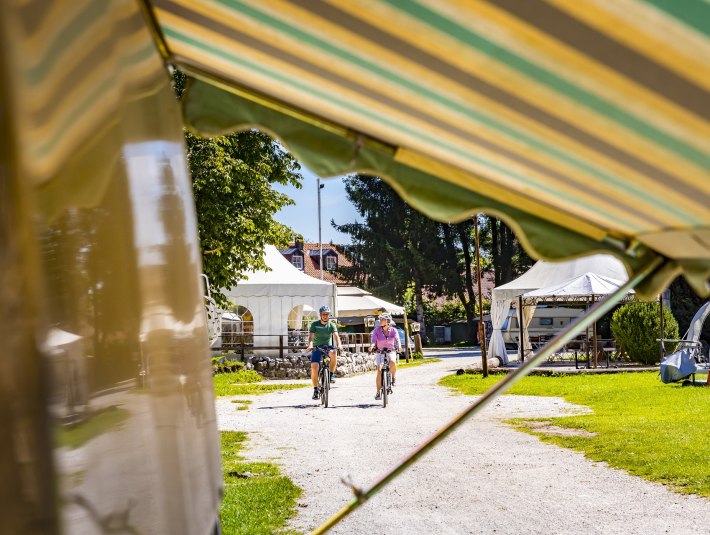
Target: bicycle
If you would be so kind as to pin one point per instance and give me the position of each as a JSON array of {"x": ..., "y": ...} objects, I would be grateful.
[
  {"x": 386, "y": 388},
  {"x": 324, "y": 375}
]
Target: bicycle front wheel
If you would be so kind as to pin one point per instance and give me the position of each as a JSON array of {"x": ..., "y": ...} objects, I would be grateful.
[{"x": 325, "y": 381}]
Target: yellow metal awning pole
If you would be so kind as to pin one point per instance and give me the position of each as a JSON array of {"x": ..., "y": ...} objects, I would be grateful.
[{"x": 595, "y": 313}]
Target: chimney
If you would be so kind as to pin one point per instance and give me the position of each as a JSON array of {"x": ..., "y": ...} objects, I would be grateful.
[{"x": 299, "y": 244}]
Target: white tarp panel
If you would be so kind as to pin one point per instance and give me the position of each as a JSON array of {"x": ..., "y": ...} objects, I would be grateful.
[
  {"x": 541, "y": 275},
  {"x": 353, "y": 301},
  {"x": 271, "y": 295},
  {"x": 696, "y": 324}
]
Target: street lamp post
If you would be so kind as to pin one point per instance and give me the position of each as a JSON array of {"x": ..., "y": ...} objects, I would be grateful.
[{"x": 320, "y": 241}]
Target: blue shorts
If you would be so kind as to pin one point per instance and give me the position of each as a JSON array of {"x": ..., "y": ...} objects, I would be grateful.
[{"x": 317, "y": 354}]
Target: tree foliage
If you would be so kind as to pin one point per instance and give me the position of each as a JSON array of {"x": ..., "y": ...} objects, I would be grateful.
[
  {"x": 508, "y": 258},
  {"x": 232, "y": 179},
  {"x": 393, "y": 248}
]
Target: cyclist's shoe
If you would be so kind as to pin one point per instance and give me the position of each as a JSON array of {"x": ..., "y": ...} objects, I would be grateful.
[
  {"x": 389, "y": 390},
  {"x": 378, "y": 395},
  {"x": 332, "y": 377},
  {"x": 393, "y": 381},
  {"x": 315, "y": 394}
]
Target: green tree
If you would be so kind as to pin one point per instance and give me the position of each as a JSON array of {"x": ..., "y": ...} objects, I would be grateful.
[
  {"x": 232, "y": 179},
  {"x": 393, "y": 248}
]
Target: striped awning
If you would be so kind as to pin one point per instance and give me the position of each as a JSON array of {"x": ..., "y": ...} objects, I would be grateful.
[{"x": 585, "y": 125}]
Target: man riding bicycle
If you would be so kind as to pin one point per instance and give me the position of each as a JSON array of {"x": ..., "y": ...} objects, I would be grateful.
[
  {"x": 320, "y": 334},
  {"x": 385, "y": 338}
]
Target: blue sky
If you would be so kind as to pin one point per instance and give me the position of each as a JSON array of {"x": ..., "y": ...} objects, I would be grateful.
[{"x": 303, "y": 216}]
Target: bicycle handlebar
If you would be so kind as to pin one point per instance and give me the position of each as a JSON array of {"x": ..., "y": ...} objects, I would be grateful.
[{"x": 325, "y": 349}]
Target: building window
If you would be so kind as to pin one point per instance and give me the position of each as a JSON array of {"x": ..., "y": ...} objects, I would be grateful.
[
  {"x": 331, "y": 262},
  {"x": 297, "y": 262},
  {"x": 546, "y": 322}
]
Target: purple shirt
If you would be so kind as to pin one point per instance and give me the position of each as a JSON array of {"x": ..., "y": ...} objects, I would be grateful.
[{"x": 382, "y": 341}]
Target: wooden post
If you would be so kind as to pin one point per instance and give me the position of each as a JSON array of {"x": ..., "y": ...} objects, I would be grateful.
[
  {"x": 481, "y": 328},
  {"x": 406, "y": 337},
  {"x": 586, "y": 333},
  {"x": 594, "y": 338},
  {"x": 417, "y": 342}
]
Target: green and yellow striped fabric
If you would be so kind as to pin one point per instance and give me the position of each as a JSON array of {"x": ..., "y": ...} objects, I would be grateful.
[{"x": 589, "y": 116}]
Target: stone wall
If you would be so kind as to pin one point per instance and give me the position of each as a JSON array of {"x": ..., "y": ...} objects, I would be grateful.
[{"x": 298, "y": 366}]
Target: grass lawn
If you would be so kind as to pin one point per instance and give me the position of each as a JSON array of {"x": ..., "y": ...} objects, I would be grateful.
[
  {"x": 415, "y": 362},
  {"x": 75, "y": 436},
  {"x": 246, "y": 382},
  {"x": 258, "y": 499},
  {"x": 650, "y": 429}
]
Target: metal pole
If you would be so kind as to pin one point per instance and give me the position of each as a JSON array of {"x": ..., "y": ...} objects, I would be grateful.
[
  {"x": 594, "y": 338},
  {"x": 567, "y": 335},
  {"x": 481, "y": 327},
  {"x": 521, "y": 331},
  {"x": 320, "y": 241},
  {"x": 660, "y": 305}
]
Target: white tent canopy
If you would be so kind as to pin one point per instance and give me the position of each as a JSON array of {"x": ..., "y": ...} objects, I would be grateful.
[
  {"x": 541, "y": 275},
  {"x": 271, "y": 295},
  {"x": 353, "y": 301},
  {"x": 577, "y": 288}
]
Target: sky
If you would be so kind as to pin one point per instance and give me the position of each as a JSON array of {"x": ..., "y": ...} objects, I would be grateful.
[{"x": 303, "y": 216}]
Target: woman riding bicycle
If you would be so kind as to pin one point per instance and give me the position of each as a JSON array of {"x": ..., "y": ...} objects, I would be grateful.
[
  {"x": 320, "y": 334},
  {"x": 385, "y": 338}
]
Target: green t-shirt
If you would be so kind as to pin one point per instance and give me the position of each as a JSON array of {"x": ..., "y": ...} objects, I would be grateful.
[{"x": 323, "y": 333}]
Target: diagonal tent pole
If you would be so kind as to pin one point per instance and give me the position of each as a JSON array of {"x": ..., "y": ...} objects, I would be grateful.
[{"x": 595, "y": 313}]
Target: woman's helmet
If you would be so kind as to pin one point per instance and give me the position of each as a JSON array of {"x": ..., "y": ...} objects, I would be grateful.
[
  {"x": 324, "y": 308},
  {"x": 385, "y": 316}
]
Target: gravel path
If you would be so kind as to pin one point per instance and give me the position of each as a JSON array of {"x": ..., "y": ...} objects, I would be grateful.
[{"x": 484, "y": 478}]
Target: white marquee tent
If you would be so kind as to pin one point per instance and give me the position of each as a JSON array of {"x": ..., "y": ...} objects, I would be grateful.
[
  {"x": 272, "y": 295},
  {"x": 353, "y": 301},
  {"x": 541, "y": 275}
]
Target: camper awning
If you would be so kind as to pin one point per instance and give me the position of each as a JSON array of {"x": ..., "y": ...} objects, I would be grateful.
[{"x": 585, "y": 125}]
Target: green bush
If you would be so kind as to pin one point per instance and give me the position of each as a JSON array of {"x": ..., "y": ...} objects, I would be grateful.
[
  {"x": 636, "y": 327},
  {"x": 226, "y": 364}
]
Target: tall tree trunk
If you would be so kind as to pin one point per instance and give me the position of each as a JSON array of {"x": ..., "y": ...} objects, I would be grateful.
[
  {"x": 495, "y": 251},
  {"x": 506, "y": 253},
  {"x": 419, "y": 303},
  {"x": 470, "y": 303},
  {"x": 461, "y": 288}
]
